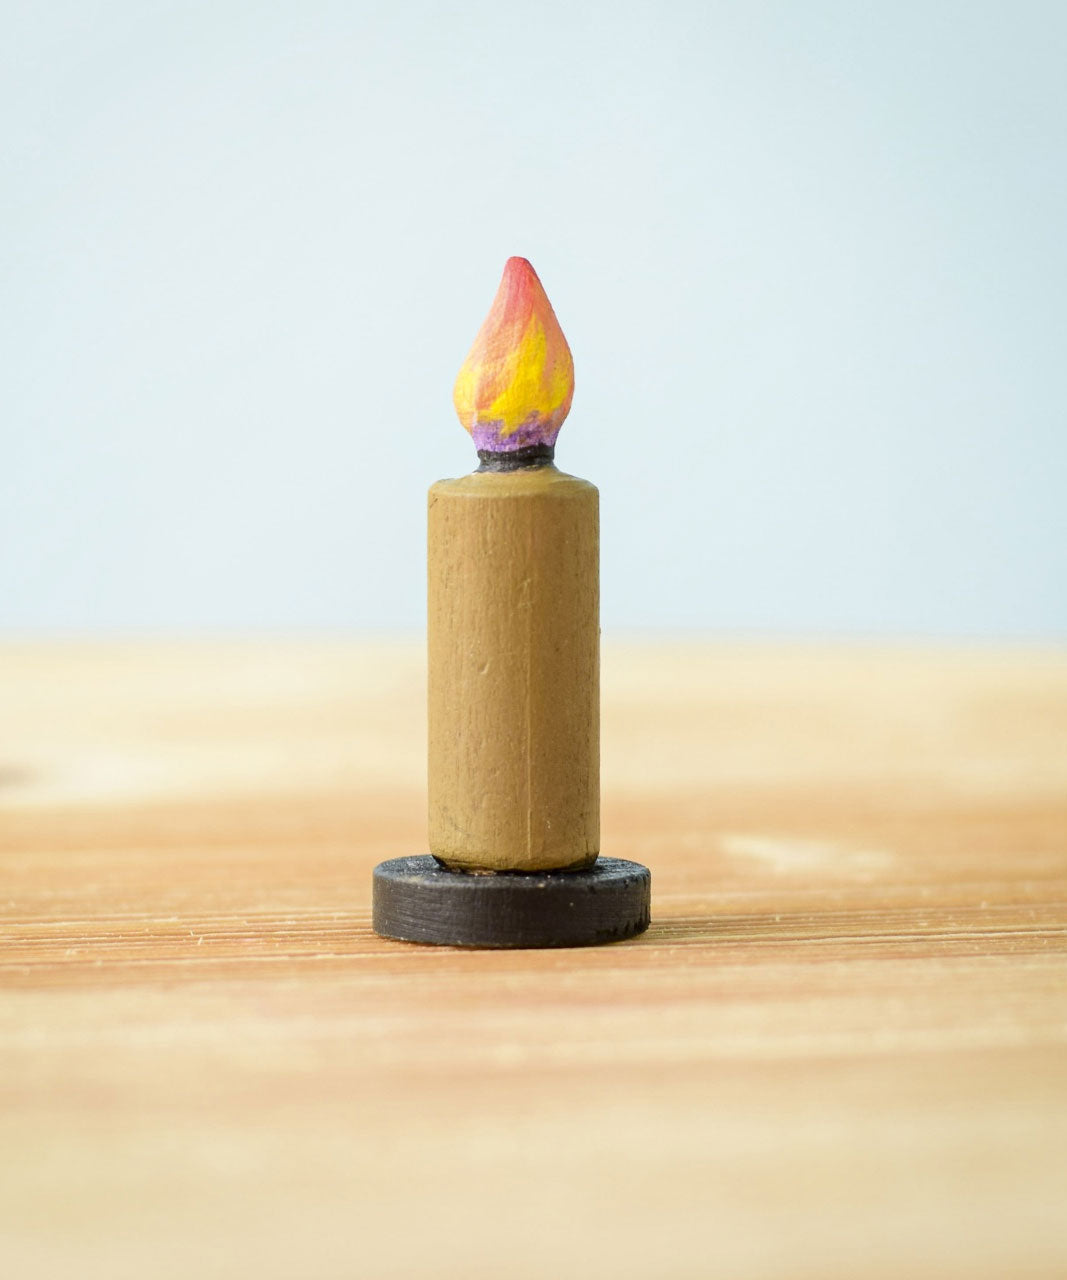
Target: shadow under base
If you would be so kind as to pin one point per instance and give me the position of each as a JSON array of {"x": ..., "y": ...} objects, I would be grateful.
[{"x": 418, "y": 900}]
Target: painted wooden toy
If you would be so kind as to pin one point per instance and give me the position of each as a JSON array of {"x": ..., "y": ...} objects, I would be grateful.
[{"x": 514, "y": 685}]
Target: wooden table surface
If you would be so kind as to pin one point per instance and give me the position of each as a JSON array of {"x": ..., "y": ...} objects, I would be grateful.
[{"x": 841, "y": 1049}]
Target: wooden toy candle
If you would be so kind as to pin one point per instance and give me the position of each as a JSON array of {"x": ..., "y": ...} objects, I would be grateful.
[
  {"x": 514, "y": 689},
  {"x": 514, "y": 678}
]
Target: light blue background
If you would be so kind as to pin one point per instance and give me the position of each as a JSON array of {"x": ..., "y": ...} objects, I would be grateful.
[{"x": 810, "y": 258}]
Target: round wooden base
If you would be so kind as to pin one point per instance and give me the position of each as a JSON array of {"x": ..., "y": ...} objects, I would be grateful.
[{"x": 418, "y": 900}]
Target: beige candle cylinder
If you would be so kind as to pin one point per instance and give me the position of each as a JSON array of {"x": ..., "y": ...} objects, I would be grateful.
[{"x": 514, "y": 671}]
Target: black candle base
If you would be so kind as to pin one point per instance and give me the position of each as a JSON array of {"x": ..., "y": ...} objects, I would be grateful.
[{"x": 418, "y": 900}]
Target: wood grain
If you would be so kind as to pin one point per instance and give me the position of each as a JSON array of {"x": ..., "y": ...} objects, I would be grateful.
[{"x": 840, "y": 1050}]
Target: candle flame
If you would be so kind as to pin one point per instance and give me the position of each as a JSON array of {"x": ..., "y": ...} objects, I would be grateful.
[{"x": 515, "y": 387}]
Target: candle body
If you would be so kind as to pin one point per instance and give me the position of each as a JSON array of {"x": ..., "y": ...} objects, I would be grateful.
[{"x": 514, "y": 671}]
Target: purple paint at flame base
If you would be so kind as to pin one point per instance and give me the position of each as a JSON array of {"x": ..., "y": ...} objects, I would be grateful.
[{"x": 534, "y": 430}]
